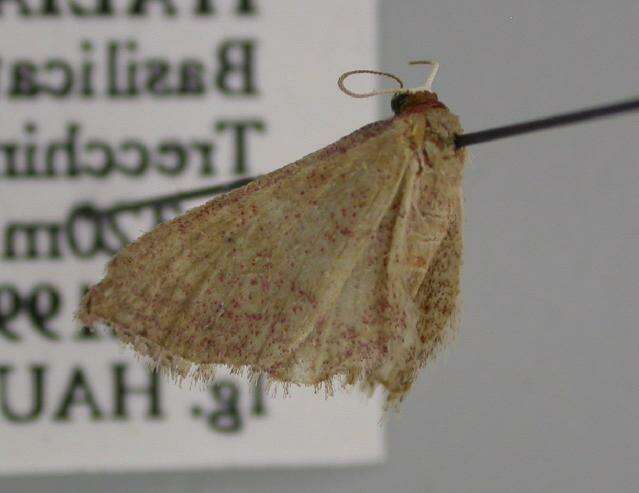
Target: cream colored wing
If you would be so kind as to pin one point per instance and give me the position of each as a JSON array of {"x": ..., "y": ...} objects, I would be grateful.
[
  {"x": 343, "y": 264},
  {"x": 245, "y": 279}
]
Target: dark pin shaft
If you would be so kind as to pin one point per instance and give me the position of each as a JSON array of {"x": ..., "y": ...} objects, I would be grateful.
[
  {"x": 544, "y": 123},
  {"x": 460, "y": 141},
  {"x": 178, "y": 197}
]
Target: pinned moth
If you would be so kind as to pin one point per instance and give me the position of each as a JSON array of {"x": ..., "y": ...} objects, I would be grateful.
[{"x": 342, "y": 267}]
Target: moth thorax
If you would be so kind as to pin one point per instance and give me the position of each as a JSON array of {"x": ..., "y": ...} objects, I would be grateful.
[{"x": 405, "y": 101}]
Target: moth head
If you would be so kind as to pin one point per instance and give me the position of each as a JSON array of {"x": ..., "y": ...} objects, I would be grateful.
[{"x": 414, "y": 100}]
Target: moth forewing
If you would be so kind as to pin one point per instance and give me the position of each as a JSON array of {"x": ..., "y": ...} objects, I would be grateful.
[{"x": 341, "y": 266}]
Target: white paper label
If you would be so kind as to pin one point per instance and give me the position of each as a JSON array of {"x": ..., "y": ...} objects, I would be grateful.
[{"x": 105, "y": 103}]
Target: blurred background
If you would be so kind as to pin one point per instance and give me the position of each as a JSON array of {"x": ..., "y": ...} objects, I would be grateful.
[{"x": 539, "y": 390}]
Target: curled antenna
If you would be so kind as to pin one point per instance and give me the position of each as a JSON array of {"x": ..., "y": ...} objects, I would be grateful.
[
  {"x": 345, "y": 75},
  {"x": 431, "y": 77},
  {"x": 426, "y": 87}
]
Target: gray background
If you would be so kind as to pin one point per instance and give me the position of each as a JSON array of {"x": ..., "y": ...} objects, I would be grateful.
[{"x": 539, "y": 392}]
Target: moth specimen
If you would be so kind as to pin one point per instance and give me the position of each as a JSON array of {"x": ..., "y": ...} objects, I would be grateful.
[{"x": 342, "y": 267}]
